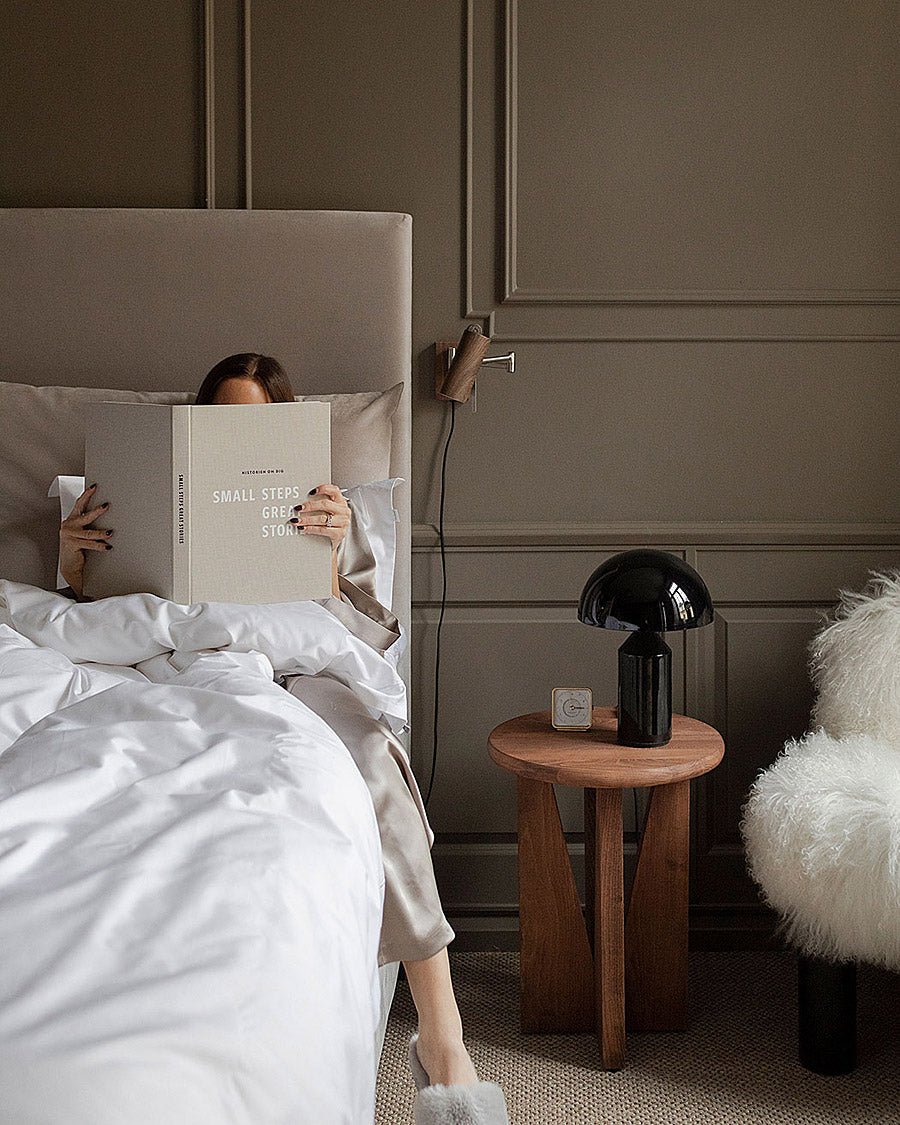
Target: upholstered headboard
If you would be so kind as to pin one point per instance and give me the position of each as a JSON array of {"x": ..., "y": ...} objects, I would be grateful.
[{"x": 149, "y": 299}]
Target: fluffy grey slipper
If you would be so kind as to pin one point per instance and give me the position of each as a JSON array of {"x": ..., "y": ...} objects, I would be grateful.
[{"x": 481, "y": 1104}]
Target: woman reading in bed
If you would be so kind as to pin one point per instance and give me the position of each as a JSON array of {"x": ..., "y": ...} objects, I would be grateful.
[{"x": 414, "y": 929}]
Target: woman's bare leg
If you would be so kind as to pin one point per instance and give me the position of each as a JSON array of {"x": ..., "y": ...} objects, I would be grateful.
[{"x": 440, "y": 1045}]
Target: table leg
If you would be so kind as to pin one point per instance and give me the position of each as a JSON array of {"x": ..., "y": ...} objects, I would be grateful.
[
  {"x": 656, "y": 931},
  {"x": 590, "y": 859},
  {"x": 556, "y": 969},
  {"x": 609, "y": 928}
]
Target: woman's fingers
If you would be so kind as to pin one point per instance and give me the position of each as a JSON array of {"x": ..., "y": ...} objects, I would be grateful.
[
  {"x": 315, "y": 520},
  {"x": 327, "y": 498},
  {"x": 75, "y": 538},
  {"x": 334, "y": 534},
  {"x": 322, "y": 519},
  {"x": 331, "y": 490},
  {"x": 88, "y": 533},
  {"x": 81, "y": 519},
  {"x": 81, "y": 503},
  {"x": 321, "y": 504},
  {"x": 91, "y": 544},
  {"x": 326, "y": 513}
]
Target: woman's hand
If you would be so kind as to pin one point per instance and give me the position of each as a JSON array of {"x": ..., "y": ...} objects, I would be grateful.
[
  {"x": 326, "y": 513},
  {"x": 77, "y": 536}
]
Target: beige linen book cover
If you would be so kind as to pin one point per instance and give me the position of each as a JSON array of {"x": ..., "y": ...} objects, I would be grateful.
[{"x": 201, "y": 499}]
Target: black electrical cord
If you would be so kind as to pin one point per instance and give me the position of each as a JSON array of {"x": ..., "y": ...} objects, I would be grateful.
[{"x": 437, "y": 639}]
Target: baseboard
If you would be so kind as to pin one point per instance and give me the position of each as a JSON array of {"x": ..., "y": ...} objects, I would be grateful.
[
  {"x": 495, "y": 932},
  {"x": 733, "y": 926},
  {"x": 718, "y": 927}
]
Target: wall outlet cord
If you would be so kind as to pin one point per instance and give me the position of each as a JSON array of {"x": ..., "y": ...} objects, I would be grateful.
[{"x": 437, "y": 639}]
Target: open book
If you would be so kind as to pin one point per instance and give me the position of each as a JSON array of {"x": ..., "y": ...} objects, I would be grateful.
[{"x": 201, "y": 499}]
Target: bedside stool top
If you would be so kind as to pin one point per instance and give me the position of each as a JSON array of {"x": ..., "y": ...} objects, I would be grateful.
[{"x": 593, "y": 759}]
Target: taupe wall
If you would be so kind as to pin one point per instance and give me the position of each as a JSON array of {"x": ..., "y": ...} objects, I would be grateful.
[{"x": 683, "y": 218}]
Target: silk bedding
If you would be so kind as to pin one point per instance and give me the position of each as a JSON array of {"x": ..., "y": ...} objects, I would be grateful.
[{"x": 190, "y": 873}]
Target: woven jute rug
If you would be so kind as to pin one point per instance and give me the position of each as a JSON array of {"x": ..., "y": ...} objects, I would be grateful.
[{"x": 736, "y": 1063}]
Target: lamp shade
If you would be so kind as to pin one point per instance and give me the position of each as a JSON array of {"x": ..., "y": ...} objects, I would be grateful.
[{"x": 645, "y": 590}]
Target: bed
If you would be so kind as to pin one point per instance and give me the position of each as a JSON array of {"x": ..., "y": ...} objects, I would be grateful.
[{"x": 193, "y": 1014}]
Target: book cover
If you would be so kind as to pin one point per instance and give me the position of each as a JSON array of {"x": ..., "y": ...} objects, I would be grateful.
[{"x": 201, "y": 499}]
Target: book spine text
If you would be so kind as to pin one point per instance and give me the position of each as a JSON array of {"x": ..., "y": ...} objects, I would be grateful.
[{"x": 181, "y": 505}]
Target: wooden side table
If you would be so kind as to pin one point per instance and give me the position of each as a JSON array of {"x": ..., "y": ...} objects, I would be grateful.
[{"x": 581, "y": 973}]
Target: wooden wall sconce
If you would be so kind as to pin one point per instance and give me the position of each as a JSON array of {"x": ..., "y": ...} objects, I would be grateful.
[{"x": 456, "y": 366}]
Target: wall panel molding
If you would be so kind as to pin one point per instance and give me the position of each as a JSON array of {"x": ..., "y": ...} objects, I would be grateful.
[
  {"x": 772, "y": 338},
  {"x": 691, "y": 322},
  {"x": 227, "y": 103},
  {"x": 492, "y": 290},
  {"x": 753, "y": 297},
  {"x": 738, "y": 534},
  {"x": 209, "y": 104},
  {"x": 515, "y": 294},
  {"x": 480, "y": 129},
  {"x": 248, "y": 104}
]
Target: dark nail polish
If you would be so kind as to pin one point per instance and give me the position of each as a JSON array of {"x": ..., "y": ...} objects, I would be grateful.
[
  {"x": 94, "y": 485},
  {"x": 106, "y": 505},
  {"x": 295, "y": 521},
  {"x": 297, "y": 508},
  {"x": 109, "y": 532},
  {"x": 313, "y": 491},
  {"x": 109, "y": 546}
]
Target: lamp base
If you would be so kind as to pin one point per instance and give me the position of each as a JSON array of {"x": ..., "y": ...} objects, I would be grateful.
[{"x": 645, "y": 690}]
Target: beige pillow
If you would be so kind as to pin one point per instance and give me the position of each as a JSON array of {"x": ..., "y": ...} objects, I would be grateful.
[
  {"x": 360, "y": 433},
  {"x": 42, "y": 436}
]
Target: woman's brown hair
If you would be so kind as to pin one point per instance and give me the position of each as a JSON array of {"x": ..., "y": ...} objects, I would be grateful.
[{"x": 262, "y": 369}]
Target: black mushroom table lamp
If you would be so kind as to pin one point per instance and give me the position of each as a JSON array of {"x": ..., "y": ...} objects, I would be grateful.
[{"x": 646, "y": 593}]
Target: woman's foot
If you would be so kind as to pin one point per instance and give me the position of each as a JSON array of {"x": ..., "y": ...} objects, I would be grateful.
[{"x": 445, "y": 1061}]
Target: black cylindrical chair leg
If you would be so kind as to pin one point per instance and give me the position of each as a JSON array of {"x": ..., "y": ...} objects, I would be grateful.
[{"x": 826, "y": 995}]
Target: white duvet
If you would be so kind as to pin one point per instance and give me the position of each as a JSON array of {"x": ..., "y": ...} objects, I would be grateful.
[{"x": 190, "y": 873}]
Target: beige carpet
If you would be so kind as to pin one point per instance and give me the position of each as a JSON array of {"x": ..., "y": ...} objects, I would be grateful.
[{"x": 736, "y": 1062}]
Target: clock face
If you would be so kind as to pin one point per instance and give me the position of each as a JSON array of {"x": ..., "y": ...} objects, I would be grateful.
[
  {"x": 574, "y": 708},
  {"x": 571, "y": 708}
]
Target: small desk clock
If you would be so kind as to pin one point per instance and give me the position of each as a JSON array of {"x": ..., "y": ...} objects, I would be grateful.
[{"x": 571, "y": 708}]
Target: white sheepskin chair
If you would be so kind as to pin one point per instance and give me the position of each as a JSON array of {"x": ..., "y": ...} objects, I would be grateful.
[
  {"x": 822, "y": 824},
  {"x": 822, "y": 829}
]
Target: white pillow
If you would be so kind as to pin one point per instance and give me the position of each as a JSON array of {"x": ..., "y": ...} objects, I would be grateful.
[{"x": 373, "y": 508}]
